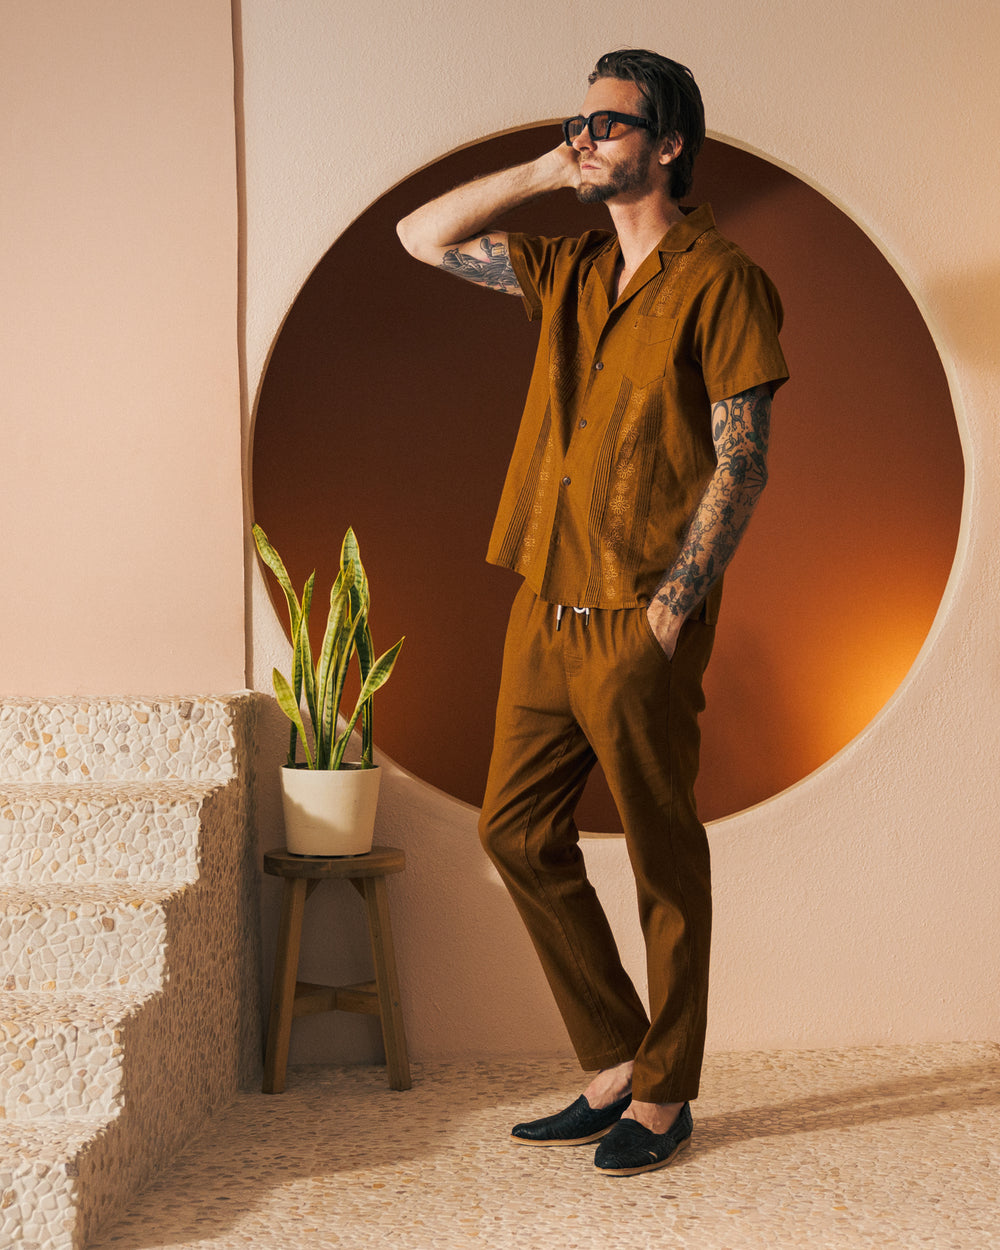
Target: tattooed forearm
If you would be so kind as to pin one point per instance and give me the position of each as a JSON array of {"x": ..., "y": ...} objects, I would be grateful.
[
  {"x": 740, "y": 429},
  {"x": 495, "y": 272}
]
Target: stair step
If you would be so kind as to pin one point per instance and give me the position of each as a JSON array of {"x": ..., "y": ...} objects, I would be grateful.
[
  {"x": 39, "y": 1191},
  {"x": 128, "y": 997},
  {"x": 120, "y": 739},
  {"x": 61, "y": 1054},
  {"x": 87, "y": 937},
  {"x": 121, "y": 831}
]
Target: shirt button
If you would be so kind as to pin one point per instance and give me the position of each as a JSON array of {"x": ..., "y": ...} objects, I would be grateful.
[
  {"x": 599, "y": 365},
  {"x": 566, "y": 481},
  {"x": 583, "y": 423}
]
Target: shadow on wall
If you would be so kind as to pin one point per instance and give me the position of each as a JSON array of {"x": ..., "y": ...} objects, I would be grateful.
[{"x": 407, "y": 387}]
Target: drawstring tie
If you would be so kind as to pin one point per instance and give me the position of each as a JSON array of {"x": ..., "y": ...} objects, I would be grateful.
[{"x": 561, "y": 608}]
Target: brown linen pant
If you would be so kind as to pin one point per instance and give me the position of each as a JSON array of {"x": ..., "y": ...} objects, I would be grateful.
[{"x": 604, "y": 690}]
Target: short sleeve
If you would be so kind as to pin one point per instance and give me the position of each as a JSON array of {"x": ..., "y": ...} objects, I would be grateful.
[
  {"x": 736, "y": 338},
  {"x": 530, "y": 258},
  {"x": 544, "y": 266}
]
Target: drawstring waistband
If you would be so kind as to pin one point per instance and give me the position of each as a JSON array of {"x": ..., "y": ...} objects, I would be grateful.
[{"x": 561, "y": 608}]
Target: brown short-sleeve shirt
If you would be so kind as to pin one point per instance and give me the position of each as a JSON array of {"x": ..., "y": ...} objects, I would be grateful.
[{"x": 615, "y": 445}]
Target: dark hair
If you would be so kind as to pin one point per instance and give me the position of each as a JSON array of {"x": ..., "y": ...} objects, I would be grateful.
[{"x": 673, "y": 105}]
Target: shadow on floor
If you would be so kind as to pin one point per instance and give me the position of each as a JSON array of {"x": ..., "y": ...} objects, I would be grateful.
[
  {"x": 339, "y": 1149},
  {"x": 957, "y": 1089}
]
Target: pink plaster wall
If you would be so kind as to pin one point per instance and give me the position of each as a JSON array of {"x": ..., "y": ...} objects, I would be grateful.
[{"x": 120, "y": 516}]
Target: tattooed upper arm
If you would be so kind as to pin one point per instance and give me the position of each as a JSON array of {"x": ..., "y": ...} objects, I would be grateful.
[
  {"x": 741, "y": 427},
  {"x": 484, "y": 261}
]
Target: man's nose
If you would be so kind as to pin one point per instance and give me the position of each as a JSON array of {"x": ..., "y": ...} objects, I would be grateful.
[{"x": 584, "y": 140}]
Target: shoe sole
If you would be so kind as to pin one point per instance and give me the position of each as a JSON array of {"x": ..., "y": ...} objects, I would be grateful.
[
  {"x": 645, "y": 1167},
  {"x": 563, "y": 1141}
]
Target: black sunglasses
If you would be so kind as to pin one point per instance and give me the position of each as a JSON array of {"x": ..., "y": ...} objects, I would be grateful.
[{"x": 602, "y": 125}]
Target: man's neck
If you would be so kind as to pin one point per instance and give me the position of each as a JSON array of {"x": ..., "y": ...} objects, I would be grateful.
[{"x": 640, "y": 224}]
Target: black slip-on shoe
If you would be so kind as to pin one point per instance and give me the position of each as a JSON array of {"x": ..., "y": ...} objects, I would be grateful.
[
  {"x": 576, "y": 1125},
  {"x": 630, "y": 1147}
]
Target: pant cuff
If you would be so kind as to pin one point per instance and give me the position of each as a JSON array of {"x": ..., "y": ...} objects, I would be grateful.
[
  {"x": 641, "y": 1092},
  {"x": 607, "y": 1058}
]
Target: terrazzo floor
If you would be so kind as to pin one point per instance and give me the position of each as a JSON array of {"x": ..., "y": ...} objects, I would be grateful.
[{"x": 886, "y": 1147}]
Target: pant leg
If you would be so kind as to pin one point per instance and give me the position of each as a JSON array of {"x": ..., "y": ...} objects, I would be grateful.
[
  {"x": 540, "y": 763},
  {"x": 640, "y": 711}
]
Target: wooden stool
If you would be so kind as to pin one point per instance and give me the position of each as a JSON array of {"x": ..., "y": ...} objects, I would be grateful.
[{"x": 291, "y": 997}]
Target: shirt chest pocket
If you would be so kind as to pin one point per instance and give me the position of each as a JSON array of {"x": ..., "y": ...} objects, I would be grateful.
[{"x": 650, "y": 345}]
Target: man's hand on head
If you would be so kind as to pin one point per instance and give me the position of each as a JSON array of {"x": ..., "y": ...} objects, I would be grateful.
[{"x": 565, "y": 166}]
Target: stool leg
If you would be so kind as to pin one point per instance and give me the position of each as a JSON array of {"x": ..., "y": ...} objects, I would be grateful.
[
  {"x": 286, "y": 965},
  {"x": 387, "y": 983}
]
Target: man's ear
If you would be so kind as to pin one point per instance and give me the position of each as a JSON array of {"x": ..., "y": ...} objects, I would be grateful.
[{"x": 670, "y": 148}]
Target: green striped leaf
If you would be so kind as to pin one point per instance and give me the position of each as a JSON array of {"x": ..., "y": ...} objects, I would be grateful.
[
  {"x": 275, "y": 563},
  {"x": 377, "y": 678},
  {"x": 289, "y": 705},
  {"x": 335, "y": 642},
  {"x": 303, "y": 652}
]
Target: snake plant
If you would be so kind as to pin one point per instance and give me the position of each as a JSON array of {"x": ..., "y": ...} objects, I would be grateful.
[{"x": 321, "y": 680}]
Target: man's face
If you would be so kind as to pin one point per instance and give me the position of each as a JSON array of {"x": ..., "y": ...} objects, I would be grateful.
[{"x": 615, "y": 168}]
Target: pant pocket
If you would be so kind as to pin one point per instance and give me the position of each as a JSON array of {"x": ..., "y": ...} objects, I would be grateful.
[{"x": 652, "y": 640}]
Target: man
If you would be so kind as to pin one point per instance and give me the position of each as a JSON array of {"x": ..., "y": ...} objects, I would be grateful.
[{"x": 641, "y": 454}]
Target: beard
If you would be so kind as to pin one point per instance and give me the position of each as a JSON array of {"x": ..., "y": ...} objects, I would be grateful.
[{"x": 629, "y": 176}]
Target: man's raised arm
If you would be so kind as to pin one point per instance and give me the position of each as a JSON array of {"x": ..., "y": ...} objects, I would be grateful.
[{"x": 452, "y": 232}]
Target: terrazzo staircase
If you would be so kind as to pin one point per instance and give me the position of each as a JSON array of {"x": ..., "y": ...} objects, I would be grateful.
[{"x": 128, "y": 947}]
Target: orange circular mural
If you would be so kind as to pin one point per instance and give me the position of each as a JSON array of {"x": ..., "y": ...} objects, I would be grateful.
[{"x": 391, "y": 403}]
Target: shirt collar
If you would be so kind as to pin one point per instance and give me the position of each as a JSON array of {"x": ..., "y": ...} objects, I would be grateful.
[
  {"x": 682, "y": 234},
  {"x": 678, "y": 238}
]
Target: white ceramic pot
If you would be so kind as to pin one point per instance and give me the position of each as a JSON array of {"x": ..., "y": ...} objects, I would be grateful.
[{"x": 329, "y": 813}]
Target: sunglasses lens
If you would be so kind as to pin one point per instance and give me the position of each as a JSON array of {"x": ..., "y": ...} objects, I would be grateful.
[
  {"x": 573, "y": 128},
  {"x": 600, "y": 125}
]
